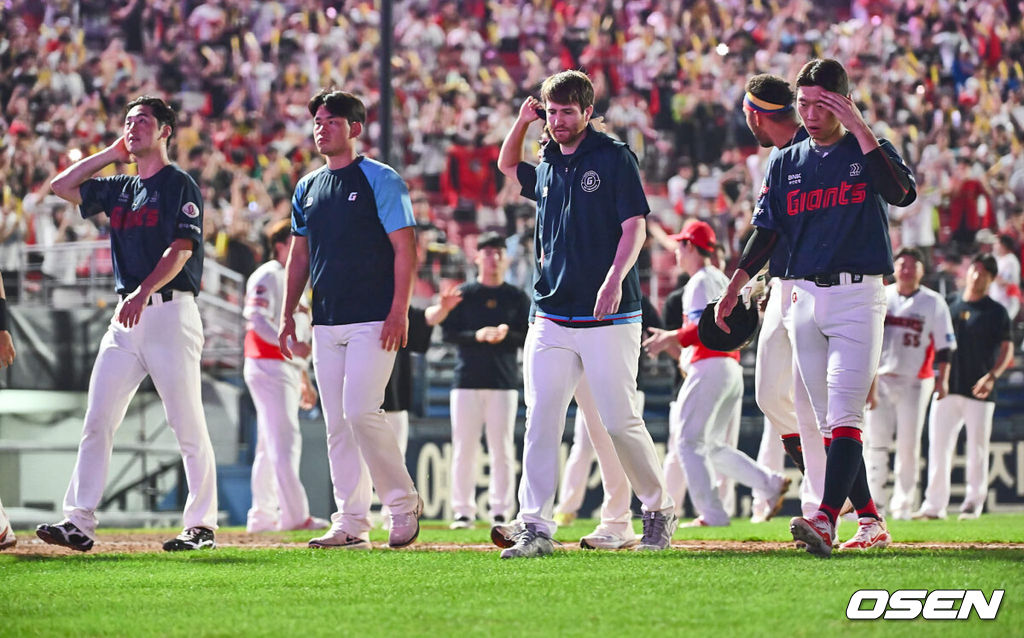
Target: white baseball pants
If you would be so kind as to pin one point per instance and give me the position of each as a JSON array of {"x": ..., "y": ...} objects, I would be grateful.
[
  {"x": 708, "y": 401},
  {"x": 352, "y": 371},
  {"x": 590, "y": 440},
  {"x": 900, "y": 412},
  {"x": 781, "y": 394},
  {"x": 948, "y": 415},
  {"x": 554, "y": 359},
  {"x": 278, "y": 497},
  {"x": 472, "y": 410},
  {"x": 166, "y": 344},
  {"x": 837, "y": 339}
]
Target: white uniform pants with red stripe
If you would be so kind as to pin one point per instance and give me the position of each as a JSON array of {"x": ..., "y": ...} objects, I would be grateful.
[
  {"x": 948, "y": 415},
  {"x": 837, "y": 340},
  {"x": 166, "y": 344},
  {"x": 554, "y": 359},
  {"x": 472, "y": 411},
  {"x": 278, "y": 498},
  {"x": 352, "y": 371},
  {"x": 899, "y": 413}
]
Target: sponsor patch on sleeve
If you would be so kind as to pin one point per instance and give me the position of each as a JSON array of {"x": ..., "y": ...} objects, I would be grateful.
[{"x": 190, "y": 209}]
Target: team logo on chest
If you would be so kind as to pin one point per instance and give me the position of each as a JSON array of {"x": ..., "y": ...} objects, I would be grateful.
[
  {"x": 139, "y": 199},
  {"x": 309, "y": 201},
  {"x": 352, "y": 196},
  {"x": 591, "y": 182},
  {"x": 190, "y": 210},
  {"x": 491, "y": 304},
  {"x": 794, "y": 179},
  {"x": 855, "y": 169}
]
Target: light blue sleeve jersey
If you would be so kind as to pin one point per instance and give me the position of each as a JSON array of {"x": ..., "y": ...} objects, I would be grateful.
[{"x": 347, "y": 215}]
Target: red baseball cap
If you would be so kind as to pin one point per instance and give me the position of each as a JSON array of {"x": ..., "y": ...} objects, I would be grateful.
[{"x": 698, "y": 233}]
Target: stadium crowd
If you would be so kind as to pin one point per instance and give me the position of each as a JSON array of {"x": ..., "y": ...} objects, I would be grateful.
[{"x": 943, "y": 76}]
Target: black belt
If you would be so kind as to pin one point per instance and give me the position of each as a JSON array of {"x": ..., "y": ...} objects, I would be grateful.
[
  {"x": 165, "y": 296},
  {"x": 835, "y": 279}
]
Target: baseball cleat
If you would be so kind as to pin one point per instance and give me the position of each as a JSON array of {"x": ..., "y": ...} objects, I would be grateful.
[
  {"x": 7, "y": 539},
  {"x": 529, "y": 543},
  {"x": 66, "y": 534},
  {"x": 504, "y": 535},
  {"x": 461, "y": 522},
  {"x": 405, "y": 527},
  {"x": 190, "y": 539},
  {"x": 697, "y": 522},
  {"x": 337, "y": 538},
  {"x": 816, "y": 532},
  {"x": 658, "y": 530},
  {"x": 926, "y": 516},
  {"x": 602, "y": 538},
  {"x": 871, "y": 534},
  {"x": 778, "y": 498}
]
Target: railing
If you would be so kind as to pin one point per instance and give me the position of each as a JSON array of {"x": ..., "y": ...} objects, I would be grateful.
[{"x": 80, "y": 274}]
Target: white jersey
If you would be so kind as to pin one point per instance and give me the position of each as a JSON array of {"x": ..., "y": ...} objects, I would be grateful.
[
  {"x": 704, "y": 286},
  {"x": 264, "y": 297},
  {"x": 915, "y": 327}
]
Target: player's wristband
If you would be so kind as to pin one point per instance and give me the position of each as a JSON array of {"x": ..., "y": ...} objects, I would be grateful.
[{"x": 3, "y": 314}]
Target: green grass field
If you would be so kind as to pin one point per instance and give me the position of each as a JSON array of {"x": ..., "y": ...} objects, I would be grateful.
[{"x": 234, "y": 591}]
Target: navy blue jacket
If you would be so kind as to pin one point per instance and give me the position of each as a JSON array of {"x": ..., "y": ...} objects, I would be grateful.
[{"x": 582, "y": 201}]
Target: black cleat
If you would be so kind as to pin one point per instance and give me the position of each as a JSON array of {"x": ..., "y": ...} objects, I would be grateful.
[
  {"x": 65, "y": 534},
  {"x": 191, "y": 538}
]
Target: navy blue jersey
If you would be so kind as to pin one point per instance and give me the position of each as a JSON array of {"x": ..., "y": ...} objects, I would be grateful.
[
  {"x": 777, "y": 262},
  {"x": 980, "y": 327},
  {"x": 826, "y": 210},
  {"x": 582, "y": 200},
  {"x": 491, "y": 366},
  {"x": 346, "y": 215},
  {"x": 146, "y": 216}
]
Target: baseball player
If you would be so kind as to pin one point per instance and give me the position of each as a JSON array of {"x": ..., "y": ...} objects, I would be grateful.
[
  {"x": 156, "y": 222},
  {"x": 826, "y": 198},
  {"x": 778, "y": 390},
  {"x": 918, "y": 335},
  {"x": 354, "y": 236},
  {"x": 710, "y": 397},
  {"x": 7, "y": 538},
  {"x": 590, "y": 227},
  {"x": 278, "y": 387},
  {"x": 487, "y": 321},
  {"x": 984, "y": 351}
]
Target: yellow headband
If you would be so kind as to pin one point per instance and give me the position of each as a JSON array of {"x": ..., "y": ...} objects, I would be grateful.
[{"x": 755, "y": 103}]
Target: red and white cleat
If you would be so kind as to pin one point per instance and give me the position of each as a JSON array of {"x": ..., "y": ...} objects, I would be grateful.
[
  {"x": 815, "y": 532},
  {"x": 871, "y": 534}
]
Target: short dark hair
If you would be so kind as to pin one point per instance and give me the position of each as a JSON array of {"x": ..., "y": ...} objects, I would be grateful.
[
  {"x": 162, "y": 111},
  {"x": 986, "y": 261},
  {"x": 490, "y": 240},
  {"x": 1007, "y": 242},
  {"x": 568, "y": 87},
  {"x": 913, "y": 253},
  {"x": 279, "y": 232},
  {"x": 772, "y": 88},
  {"x": 829, "y": 74},
  {"x": 338, "y": 103}
]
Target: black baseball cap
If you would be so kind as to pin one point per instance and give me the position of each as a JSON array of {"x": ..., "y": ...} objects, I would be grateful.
[
  {"x": 742, "y": 324},
  {"x": 490, "y": 240}
]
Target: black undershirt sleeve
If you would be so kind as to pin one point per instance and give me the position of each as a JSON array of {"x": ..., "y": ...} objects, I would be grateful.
[
  {"x": 942, "y": 356},
  {"x": 891, "y": 182},
  {"x": 758, "y": 250}
]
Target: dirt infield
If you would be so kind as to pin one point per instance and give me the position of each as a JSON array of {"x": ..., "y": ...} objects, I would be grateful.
[{"x": 148, "y": 542}]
